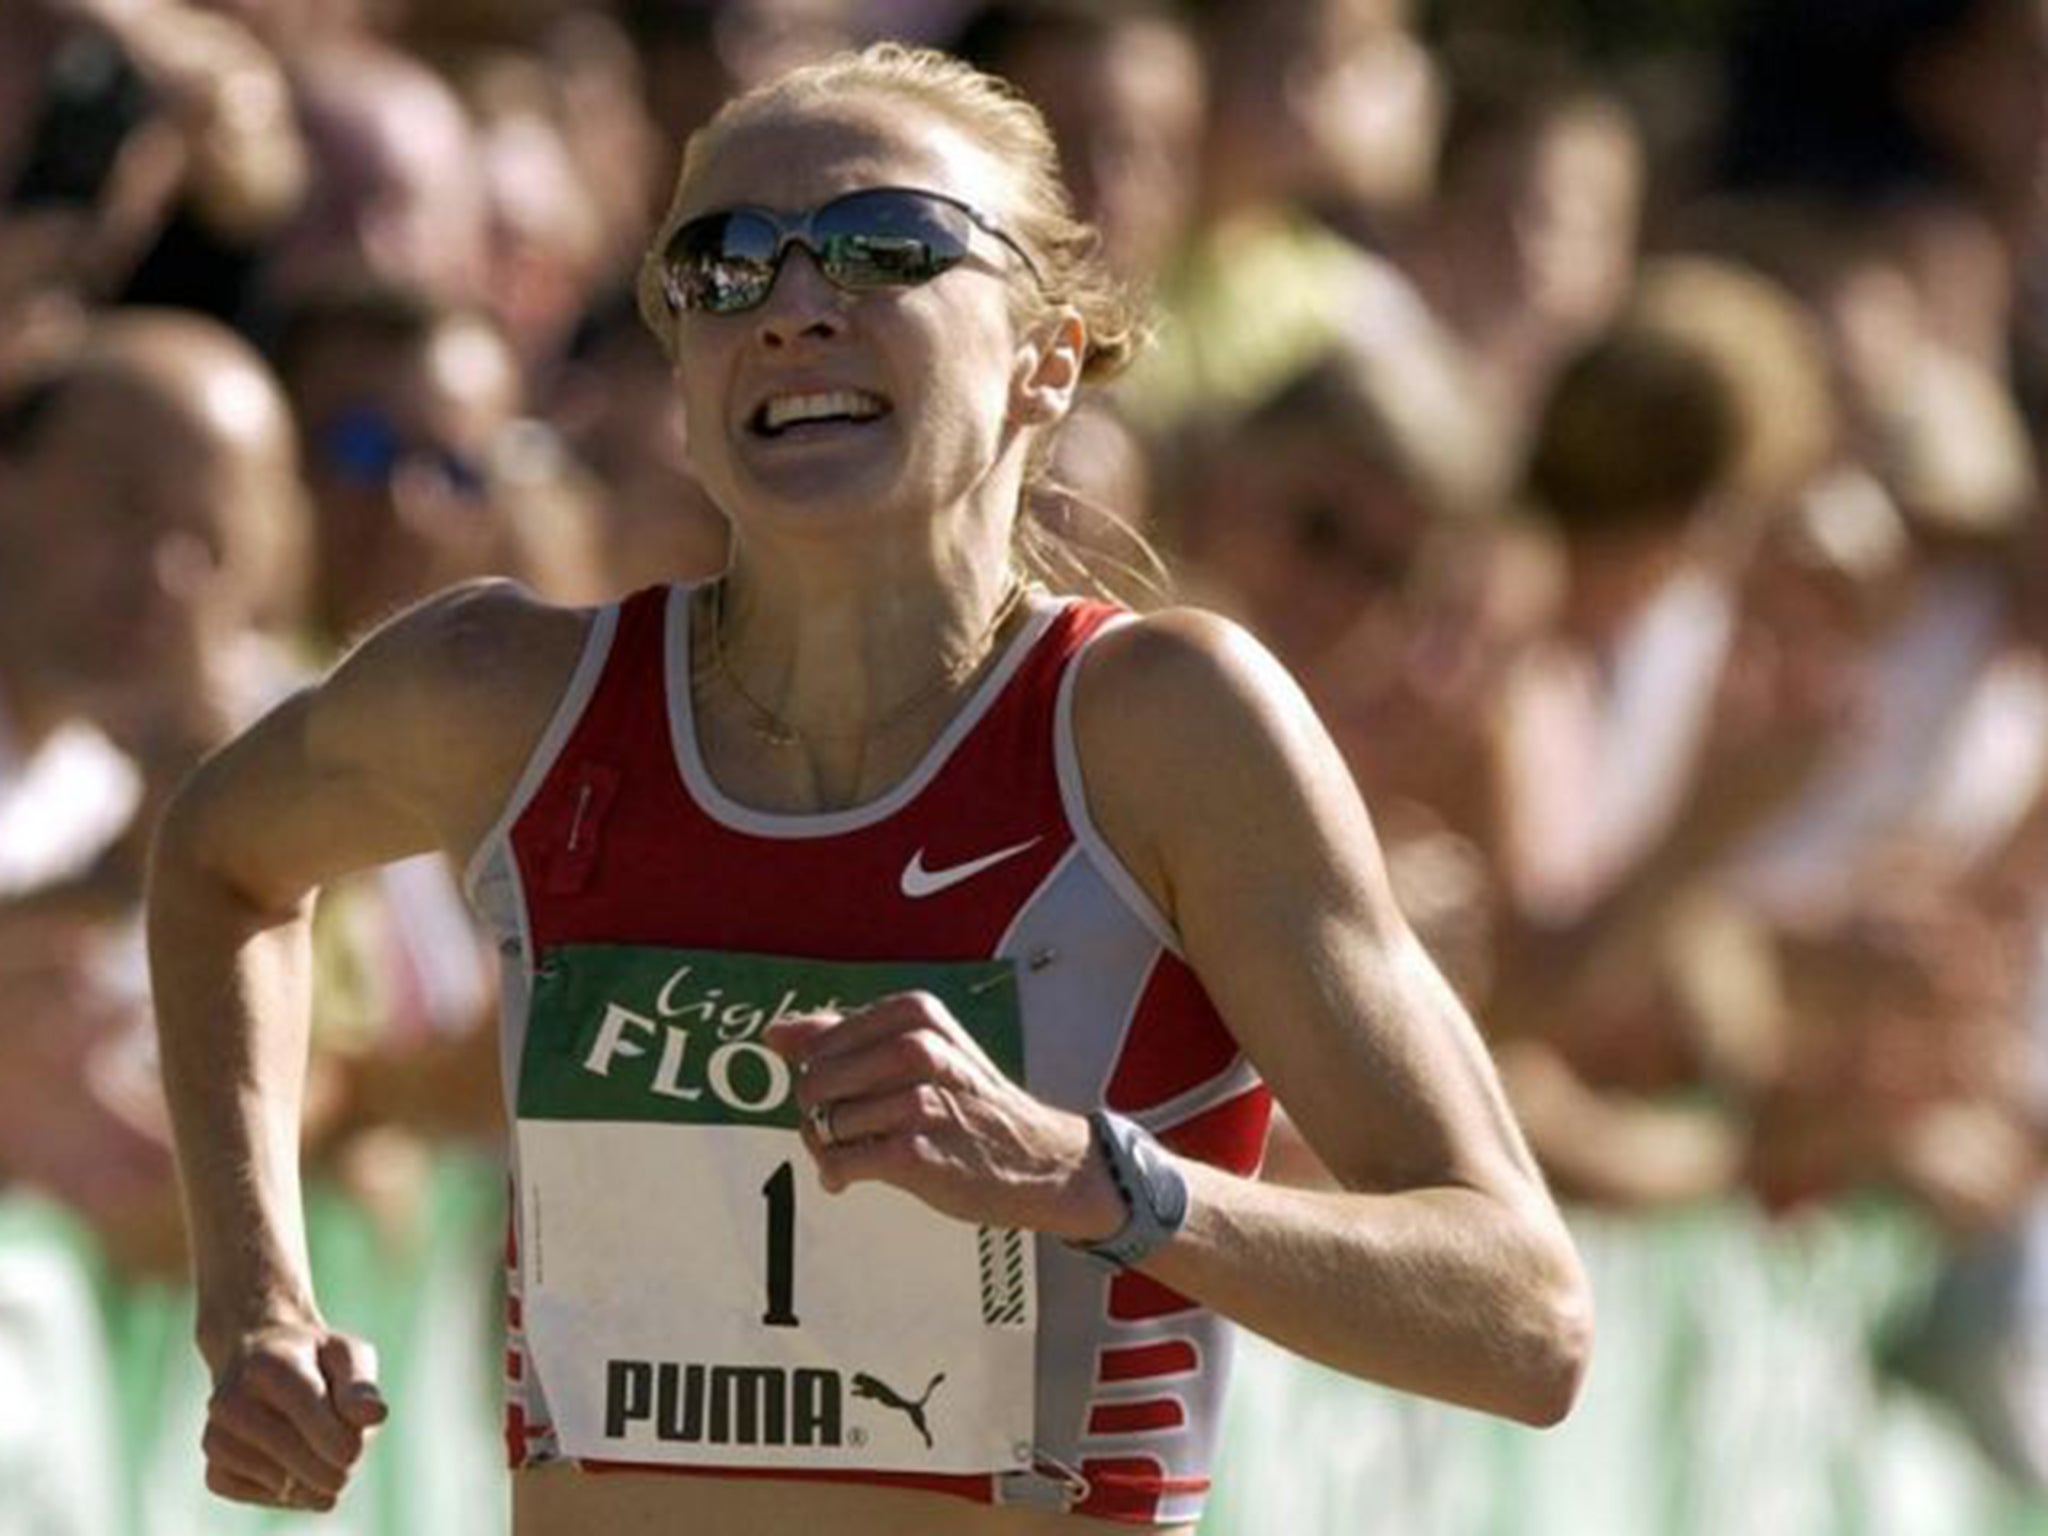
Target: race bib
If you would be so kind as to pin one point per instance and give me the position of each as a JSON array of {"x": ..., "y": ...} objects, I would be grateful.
[{"x": 691, "y": 1294}]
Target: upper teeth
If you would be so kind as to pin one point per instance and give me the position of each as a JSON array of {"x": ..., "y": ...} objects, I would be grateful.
[{"x": 787, "y": 410}]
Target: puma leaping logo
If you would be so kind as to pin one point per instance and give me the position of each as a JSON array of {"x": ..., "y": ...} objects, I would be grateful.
[{"x": 881, "y": 1392}]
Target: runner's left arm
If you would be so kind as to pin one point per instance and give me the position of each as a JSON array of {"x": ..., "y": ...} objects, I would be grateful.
[{"x": 1442, "y": 1265}]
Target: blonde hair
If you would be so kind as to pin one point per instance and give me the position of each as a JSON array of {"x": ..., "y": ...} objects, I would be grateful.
[{"x": 993, "y": 115}]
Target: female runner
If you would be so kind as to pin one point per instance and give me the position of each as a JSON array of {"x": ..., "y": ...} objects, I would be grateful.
[{"x": 900, "y": 962}]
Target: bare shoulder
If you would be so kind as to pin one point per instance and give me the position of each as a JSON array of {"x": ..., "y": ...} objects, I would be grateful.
[
  {"x": 473, "y": 658},
  {"x": 1198, "y": 749},
  {"x": 1183, "y": 669},
  {"x": 494, "y": 622},
  {"x": 453, "y": 694},
  {"x": 411, "y": 744}
]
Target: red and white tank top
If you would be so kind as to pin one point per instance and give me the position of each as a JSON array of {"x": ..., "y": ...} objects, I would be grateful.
[{"x": 617, "y": 835}]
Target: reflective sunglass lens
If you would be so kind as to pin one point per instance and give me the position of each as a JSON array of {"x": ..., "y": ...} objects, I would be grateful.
[
  {"x": 878, "y": 261},
  {"x": 721, "y": 262},
  {"x": 889, "y": 239}
]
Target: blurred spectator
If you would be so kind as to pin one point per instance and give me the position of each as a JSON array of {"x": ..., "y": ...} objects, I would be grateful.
[
  {"x": 395, "y": 198},
  {"x": 1529, "y": 245},
  {"x": 424, "y": 469},
  {"x": 144, "y": 595},
  {"x": 1898, "y": 785},
  {"x": 1931, "y": 426},
  {"x": 1876, "y": 101},
  {"x": 424, "y": 472},
  {"x": 1347, "y": 521},
  {"x": 1123, "y": 88},
  {"x": 1310, "y": 517},
  {"x": 598, "y": 89},
  {"x": 1322, "y": 118},
  {"x": 1902, "y": 929},
  {"x": 1928, "y": 118},
  {"x": 148, "y": 150},
  {"x": 1981, "y": 1342},
  {"x": 545, "y": 246},
  {"x": 1663, "y": 450},
  {"x": 152, "y": 578},
  {"x": 697, "y": 53},
  {"x": 1331, "y": 104},
  {"x": 618, "y": 408},
  {"x": 128, "y": 644}
]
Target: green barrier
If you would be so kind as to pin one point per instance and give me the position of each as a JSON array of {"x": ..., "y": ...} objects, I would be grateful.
[
  {"x": 1732, "y": 1390},
  {"x": 59, "y": 1424},
  {"x": 431, "y": 1307}
]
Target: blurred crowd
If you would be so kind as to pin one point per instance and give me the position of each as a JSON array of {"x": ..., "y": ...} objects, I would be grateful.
[{"x": 1627, "y": 424}]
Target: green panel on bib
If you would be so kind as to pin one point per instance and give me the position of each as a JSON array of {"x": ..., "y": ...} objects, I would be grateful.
[{"x": 631, "y": 1033}]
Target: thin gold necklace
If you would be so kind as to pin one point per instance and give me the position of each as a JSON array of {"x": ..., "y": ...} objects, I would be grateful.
[{"x": 778, "y": 732}]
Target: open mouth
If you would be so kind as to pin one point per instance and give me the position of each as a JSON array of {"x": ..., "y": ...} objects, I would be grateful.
[{"x": 815, "y": 411}]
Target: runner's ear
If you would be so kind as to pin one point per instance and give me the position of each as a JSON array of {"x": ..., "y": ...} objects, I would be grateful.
[{"x": 1049, "y": 369}]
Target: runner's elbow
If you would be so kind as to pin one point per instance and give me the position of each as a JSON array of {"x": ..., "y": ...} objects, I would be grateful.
[{"x": 1554, "y": 1350}]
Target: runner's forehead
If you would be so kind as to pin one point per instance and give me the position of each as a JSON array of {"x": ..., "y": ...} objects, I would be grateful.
[{"x": 798, "y": 157}]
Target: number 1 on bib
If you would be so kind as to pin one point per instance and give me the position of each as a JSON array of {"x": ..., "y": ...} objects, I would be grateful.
[{"x": 780, "y": 1192}]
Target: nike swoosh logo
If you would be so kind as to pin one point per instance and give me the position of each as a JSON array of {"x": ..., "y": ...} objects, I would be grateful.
[{"x": 919, "y": 882}]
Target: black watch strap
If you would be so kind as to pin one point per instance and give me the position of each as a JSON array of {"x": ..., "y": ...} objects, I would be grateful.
[{"x": 1155, "y": 1195}]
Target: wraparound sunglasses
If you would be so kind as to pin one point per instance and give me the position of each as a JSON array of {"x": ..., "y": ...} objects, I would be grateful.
[{"x": 726, "y": 262}]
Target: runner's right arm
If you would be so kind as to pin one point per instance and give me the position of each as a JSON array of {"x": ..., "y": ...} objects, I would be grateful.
[{"x": 411, "y": 744}]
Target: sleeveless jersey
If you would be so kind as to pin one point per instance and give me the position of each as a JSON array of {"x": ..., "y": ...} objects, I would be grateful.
[{"x": 617, "y": 835}]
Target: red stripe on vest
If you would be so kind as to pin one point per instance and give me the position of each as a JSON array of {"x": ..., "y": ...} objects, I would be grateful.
[
  {"x": 1177, "y": 1042},
  {"x": 1136, "y": 1418},
  {"x": 1231, "y": 1135},
  {"x": 1136, "y": 1362}
]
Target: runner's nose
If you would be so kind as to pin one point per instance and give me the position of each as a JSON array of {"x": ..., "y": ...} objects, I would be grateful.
[{"x": 801, "y": 303}]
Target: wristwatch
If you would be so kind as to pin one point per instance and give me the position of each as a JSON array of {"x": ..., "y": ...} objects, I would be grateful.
[{"x": 1155, "y": 1195}]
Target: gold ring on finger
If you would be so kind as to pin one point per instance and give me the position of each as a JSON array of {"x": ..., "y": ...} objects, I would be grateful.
[{"x": 821, "y": 1124}]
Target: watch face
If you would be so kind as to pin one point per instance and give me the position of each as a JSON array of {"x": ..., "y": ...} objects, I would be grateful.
[
  {"x": 1165, "y": 1190},
  {"x": 1155, "y": 1194}
]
